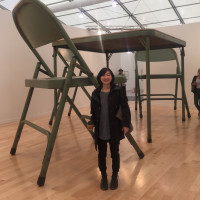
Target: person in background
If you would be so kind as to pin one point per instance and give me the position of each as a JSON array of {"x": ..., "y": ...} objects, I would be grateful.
[
  {"x": 196, "y": 90},
  {"x": 122, "y": 85},
  {"x": 105, "y": 102}
]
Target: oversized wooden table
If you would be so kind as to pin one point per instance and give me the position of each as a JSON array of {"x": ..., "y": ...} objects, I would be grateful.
[{"x": 136, "y": 40}]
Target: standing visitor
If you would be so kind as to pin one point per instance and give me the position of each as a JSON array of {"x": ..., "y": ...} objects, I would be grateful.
[
  {"x": 196, "y": 90},
  {"x": 105, "y": 102}
]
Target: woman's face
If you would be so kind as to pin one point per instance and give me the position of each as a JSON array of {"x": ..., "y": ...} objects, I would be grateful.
[{"x": 106, "y": 78}]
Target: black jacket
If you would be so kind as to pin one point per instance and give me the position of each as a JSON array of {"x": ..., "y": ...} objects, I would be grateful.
[
  {"x": 116, "y": 98},
  {"x": 194, "y": 87}
]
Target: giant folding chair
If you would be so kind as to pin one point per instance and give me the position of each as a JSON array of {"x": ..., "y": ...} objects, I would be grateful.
[
  {"x": 159, "y": 56},
  {"x": 38, "y": 26}
]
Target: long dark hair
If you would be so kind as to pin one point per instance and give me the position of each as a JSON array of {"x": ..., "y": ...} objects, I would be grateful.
[{"x": 102, "y": 72}]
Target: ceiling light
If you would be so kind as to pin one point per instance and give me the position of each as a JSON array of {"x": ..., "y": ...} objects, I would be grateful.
[
  {"x": 99, "y": 32},
  {"x": 114, "y": 3},
  {"x": 81, "y": 15}
]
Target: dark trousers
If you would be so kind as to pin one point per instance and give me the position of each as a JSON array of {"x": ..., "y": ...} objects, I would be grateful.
[
  {"x": 197, "y": 99},
  {"x": 102, "y": 153},
  {"x": 124, "y": 89}
]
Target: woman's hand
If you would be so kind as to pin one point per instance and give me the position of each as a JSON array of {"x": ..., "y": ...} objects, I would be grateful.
[
  {"x": 125, "y": 129},
  {"x": 90, "y": 127}
]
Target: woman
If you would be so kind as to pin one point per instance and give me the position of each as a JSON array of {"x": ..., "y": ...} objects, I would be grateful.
[
  {"x": 122, "y": 85},
  {"x": 105, "y": 102},
  {"x": 196, "y": 90}
]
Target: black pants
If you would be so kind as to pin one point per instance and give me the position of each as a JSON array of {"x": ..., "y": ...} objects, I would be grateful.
[
  {"x": 197, "y": 99},
  {"x": 114, "y": 150},
  {"x": 124, "y": 89}
]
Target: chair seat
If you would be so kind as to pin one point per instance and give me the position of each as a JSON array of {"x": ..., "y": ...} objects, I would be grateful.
[{"x": 58, "y": 82}]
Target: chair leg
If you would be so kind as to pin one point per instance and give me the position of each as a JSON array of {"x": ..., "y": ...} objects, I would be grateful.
[
  {"x": 47, "y": 157},
  {"x": 54, "y": 108},
  {"x": 136, "y": 89},
  {"x": 79, "y": 115},
  {"x": 52, "y": 115},
  {"x": 52, "y": 138},
  {"x": 74, "y": 96},
  {"x": 21, "y": 124},
  {"x": 176, "y": 90},
  {"x": 56, "y": 99},
  {"x": 73, "y": 99},
  {"x": 185, "y": 98},
  {"x": 139, "y": 100},
  {"x": 186, "y": 103},
  {"x": 135, "y": 145},
  {"x": 23, "y": 116}
]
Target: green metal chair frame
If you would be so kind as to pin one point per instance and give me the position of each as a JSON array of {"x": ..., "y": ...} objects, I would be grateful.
[
  {"x": 38, "y": 26},
  {"x": 159, "y": 56}
]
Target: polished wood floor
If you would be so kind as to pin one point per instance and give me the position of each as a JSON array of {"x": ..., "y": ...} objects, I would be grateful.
[{"x": 170, "y": 169}]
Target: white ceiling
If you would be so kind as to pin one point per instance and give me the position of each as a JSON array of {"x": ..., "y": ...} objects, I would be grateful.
[{"x": 126, "y": 14}]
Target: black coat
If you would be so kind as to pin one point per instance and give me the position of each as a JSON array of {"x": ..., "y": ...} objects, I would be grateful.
[
  {"x": 116, "y": 98},
  {"x": 194, "y": 87}
]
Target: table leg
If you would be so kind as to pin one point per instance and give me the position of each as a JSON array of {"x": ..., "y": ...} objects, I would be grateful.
[{"x": 149, "y": 140}]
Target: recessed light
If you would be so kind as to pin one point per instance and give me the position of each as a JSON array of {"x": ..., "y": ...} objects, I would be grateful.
[
  {"x": 114, "y": 3},
  {"x": 81, "y": 15}
]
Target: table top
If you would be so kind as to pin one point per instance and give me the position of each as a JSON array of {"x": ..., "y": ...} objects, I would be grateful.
[{"x": 124, "y": 41}]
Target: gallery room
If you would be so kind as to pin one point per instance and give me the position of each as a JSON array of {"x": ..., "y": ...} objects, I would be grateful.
[{"x": 68, "y": 68}]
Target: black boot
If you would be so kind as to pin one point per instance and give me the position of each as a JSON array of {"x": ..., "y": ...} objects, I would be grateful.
[
  {"x": 104, "y": 182},
  {"x": 114, "y": 181}
]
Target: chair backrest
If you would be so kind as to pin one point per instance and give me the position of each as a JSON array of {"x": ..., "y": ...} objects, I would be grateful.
[
  {"x": 156, "y": 55},
  {"x": 38, "y": 26},
  {"x": 36, "y": 23}
]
